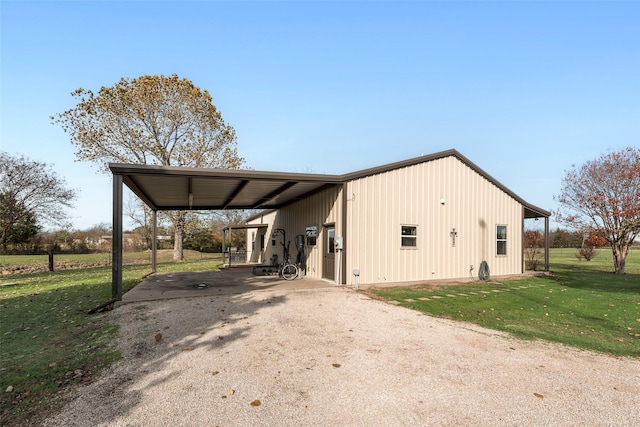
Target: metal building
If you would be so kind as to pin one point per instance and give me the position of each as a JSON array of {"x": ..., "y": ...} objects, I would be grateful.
[{"x": 431, "y": 217}]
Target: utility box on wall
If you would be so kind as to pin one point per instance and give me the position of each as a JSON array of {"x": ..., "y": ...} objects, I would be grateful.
[
  {"x": 338, "y": 244},
  {"x": 312, "y": 235}
]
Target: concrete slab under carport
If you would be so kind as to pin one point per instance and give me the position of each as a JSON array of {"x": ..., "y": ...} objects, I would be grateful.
[{"x": 235, "y": 280}]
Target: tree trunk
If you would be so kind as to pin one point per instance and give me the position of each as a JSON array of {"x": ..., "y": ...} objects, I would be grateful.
[
  {"x": 178, "y": 254},
  {"x": 179, "y": 221},
  {"x": 620, "y": 250}
]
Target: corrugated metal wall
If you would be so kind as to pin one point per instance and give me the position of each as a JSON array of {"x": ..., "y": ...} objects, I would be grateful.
[
  {"x": 254, "y": 253},
  {"x": 379, "y": 205},
  {"x": 316, "y": 210}
]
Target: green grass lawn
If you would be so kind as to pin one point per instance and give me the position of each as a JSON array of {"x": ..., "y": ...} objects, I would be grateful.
[
  {"x": 582, "y": 304},
  {"x": 47, "y": 339}
]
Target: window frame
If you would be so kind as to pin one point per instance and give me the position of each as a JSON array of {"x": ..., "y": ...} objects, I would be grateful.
[
  {"x": 501, "y": 242},
  {"x": 413, "y": 236},
  {"x": 331, "y": 239}
]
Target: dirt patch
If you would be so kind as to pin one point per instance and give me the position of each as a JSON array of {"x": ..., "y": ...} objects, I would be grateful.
[
  {"x": 37, "y": 268},
  {"x": 35, "y": 410},
  {"x": 60, "y": 265}
]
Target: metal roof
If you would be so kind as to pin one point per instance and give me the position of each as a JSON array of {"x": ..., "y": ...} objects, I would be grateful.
[
  {"x": 181, "y": 188},
  {"x": 177, "y": 188}
]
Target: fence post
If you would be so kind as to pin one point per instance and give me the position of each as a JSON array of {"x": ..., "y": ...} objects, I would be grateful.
[{"x": 50, "y": 258}]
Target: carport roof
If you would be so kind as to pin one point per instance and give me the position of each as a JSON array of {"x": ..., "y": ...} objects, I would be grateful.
[{"x": 179, "y": 188}]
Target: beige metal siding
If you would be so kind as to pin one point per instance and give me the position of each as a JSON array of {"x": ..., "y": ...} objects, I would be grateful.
[
  {"x": 254, "y": 254},
  {"x": 380, "y": 204},
  {"x": 316, "y": 210}
]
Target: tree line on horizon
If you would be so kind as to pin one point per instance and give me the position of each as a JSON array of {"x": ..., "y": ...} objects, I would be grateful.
[{"x": 203, "y": 235}]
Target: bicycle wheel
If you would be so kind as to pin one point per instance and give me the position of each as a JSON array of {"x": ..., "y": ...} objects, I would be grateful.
[{"x": 290, "y": 271}]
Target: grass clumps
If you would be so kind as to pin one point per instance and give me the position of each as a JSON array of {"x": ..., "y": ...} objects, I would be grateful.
[{"x": 581, "y": 304}]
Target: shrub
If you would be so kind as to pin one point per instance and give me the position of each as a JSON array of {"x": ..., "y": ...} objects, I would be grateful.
[{"x": 587, "y": 252}]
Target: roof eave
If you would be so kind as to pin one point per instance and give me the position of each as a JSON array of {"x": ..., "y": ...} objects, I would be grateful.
[{"x": 128, "y": 169}]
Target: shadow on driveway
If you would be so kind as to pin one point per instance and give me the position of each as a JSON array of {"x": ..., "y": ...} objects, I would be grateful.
[{"x": 236, "y": 280}]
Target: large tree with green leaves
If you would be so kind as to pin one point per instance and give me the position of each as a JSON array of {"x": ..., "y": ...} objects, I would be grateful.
[
  {"x": 30, "y": 193},
  {"x": 17, "y": 226},
  {"x": 602, "y": 197},
  {"x": 152, "y": 119}
]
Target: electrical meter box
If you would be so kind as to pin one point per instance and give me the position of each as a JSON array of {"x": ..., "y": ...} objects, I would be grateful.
[{"x": 338, "y": 243}]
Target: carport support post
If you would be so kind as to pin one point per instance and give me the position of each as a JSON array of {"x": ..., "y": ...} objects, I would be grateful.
[
  {"x": 546, "y": 243},
  {"x": 154, "y": 241},
  {"x": 229, "y": 247},
  {"x": 116, "y": 241},
  {"x": 224, "y": 231}
]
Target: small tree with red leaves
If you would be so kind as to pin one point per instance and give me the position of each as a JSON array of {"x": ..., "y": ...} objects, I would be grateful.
[
  {"x": 533, "y": 248},
  {"x": 591, "y": 243},
  {"x": 595, "y": 240},
  {"x": 602, "y": 197}
]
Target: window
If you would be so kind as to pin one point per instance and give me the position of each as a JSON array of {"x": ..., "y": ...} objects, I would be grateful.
[
  {"x": 501, "y": 240},
  {"x": 331, "y": 240},
  {"x": 409, "y": 236}
]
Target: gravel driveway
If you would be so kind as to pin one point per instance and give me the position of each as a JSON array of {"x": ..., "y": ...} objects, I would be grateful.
[{"x": 334, "y": 357}]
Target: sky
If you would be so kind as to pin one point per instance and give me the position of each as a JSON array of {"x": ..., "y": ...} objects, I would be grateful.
[{"x": 524, "y": 89}]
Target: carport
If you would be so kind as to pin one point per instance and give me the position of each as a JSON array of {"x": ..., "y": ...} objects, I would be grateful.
[{"x": 166, "y": 188}]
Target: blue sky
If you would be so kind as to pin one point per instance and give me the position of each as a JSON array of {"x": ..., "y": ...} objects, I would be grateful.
[{"x": 524, "y": 89}]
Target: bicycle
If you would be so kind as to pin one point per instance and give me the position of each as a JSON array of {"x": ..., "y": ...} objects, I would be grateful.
[{"x": 288, "y": 270}]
